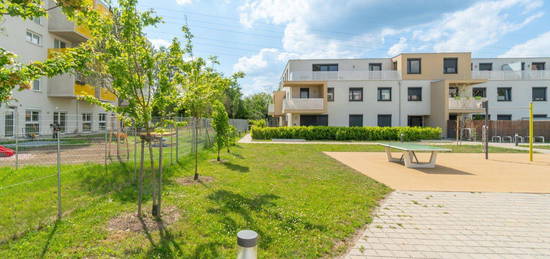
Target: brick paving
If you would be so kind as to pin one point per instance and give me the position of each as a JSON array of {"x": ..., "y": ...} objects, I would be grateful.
[{"x": 411, "y": 224}]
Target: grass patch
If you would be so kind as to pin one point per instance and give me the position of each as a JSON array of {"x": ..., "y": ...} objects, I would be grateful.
[
  {"x": 537, "y": 146},
  {"x": 303, "y": 204}
]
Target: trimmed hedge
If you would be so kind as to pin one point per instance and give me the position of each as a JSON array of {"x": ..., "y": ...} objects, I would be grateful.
[{"x": 346, "y": 133}]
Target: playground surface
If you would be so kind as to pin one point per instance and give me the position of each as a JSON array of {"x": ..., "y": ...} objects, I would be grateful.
[{"x": 503, "y": 172}]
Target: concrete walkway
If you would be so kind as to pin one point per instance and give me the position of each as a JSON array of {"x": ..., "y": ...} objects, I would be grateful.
[{"x": 413, "y": 224}]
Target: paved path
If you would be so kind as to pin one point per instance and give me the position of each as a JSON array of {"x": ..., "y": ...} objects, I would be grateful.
[{"x": 458, "y": 225}]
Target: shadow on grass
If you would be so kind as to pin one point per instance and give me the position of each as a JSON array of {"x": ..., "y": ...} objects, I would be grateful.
[
  {"x": 236, "y": 167},
  {"x": 50, "y": 237},
  {"x": 166, "y": 247}
]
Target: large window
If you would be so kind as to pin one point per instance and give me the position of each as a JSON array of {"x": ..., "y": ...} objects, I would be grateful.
[
  {"x": 539, "y": 94},
  {"x": 414, "y": 66},
  {"x": 415, "y": 94},
  {"x": 32, "y": 122},
  {"x": 59, "y": 44},
  {"x": 504, "y": 94},
  {"x": 356, "y": 120},
  {"x": 304, "y": 92},
  {"x": 384, "y": 94},
  {"x": 34, "y": 38},
  {"x": 450, "y": 65},
  {"x": 538, "y": 66},
  {"x": 540, "y": 116},
  {"x": 36, "y": 85},
  {"x": 86, "y": 122},
  {"x": 384, "y": 120},
  {"x": 504, "y": 117},
  {"x": 9, "y": 124},
  {"x": 356, "y": 94},
  {"x": 325, "y": 67},
  {"x": 485, "y": 66},
  {"x": 375, "y": 66},
  {"x": 479, "y": 92},
  {"x": 103, "y": 121},
  {"x": 330, "y": 94}
]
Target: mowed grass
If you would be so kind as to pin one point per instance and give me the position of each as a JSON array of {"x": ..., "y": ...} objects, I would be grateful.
[
  {"x": 538, "y": 146},
  {"x": 303, "y": 204}
]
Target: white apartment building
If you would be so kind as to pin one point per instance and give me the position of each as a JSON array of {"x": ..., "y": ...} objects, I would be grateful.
[
  {"x": 411, "y": 89},
  {"x": 51, "y": 100}
]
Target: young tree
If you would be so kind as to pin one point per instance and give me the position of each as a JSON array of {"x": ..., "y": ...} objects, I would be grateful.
[
  {"x": 14, "y": 73},
  {"x": 221, "y": 126}
]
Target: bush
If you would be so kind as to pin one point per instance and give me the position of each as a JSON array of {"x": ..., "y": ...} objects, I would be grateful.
[
  {"x": 347, "y": 133},
  {"x": 258, "y": 123}
]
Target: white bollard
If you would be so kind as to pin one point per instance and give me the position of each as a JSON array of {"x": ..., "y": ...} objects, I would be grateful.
[{"x": 247, "y": 241}]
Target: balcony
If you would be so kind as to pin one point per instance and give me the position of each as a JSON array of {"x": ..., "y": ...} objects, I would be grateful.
[
  {"x": 512, "y": 75},
  {"x": 304, "y": 105},
  {"x": 344, "y": 75},
  {"x": 61, "y": 26},
  {"x": 465, "y": 104},
  {"x": 271, "y": 109}
]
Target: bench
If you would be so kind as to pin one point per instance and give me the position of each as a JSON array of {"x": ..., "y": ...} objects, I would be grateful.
[{"x": 409, "y": 154}]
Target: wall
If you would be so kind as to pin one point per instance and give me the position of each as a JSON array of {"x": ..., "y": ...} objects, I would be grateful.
[{"x": 432, "y": 66}]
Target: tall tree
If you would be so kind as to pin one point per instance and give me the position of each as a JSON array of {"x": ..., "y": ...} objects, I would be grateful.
[
  {"x": 256, "y": 106},
  {"x": 233, "y": 98}
]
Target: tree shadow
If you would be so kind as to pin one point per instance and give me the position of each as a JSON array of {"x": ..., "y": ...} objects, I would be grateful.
[
  {"x": 50, "y": 237},
  {"x": 166, "y": 246},
  {"x": 236, "y": 167}
]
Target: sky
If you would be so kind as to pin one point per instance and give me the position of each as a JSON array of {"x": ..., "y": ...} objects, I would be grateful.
[{"x": 258, "y": 37}]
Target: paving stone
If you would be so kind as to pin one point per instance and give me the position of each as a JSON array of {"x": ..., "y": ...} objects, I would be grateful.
[{"x": 458, "y": 225}]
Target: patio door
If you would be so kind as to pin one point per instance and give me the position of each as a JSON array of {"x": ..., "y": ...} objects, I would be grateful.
[
  {"x": 60, "y": 118},
  {"x": 9, "y": 124},
  {"x": 304, "y": 92}
]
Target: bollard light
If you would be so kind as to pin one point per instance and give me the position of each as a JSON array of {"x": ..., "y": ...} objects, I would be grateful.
[{"x": 247, "y": 241}]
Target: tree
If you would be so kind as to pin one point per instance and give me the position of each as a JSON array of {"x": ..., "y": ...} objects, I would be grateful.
[
  {"x": 14, "y": 73},
  {"x": 221, "y": 126},
  {"x": 256, "y": 106},
  {"x": 125, "y": 62},
  {"x": 233, "y": 98}
]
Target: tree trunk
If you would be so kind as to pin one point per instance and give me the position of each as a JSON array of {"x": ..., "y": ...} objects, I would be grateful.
[
  {"x": 154, "y": 209},
  {"x": 140, "y": 180},
  {"x": 159, "y": 192},
  {"x": 219, "y": 148},
  {"x": 196, "y": 144}
]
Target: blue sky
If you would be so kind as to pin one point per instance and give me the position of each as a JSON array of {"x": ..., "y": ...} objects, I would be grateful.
[{"x": 259, "y": 36}]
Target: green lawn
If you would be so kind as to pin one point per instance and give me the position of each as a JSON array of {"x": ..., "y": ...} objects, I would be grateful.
[
  {"x": 538, "y": 146},
  {"x": 303, "y": 204}
]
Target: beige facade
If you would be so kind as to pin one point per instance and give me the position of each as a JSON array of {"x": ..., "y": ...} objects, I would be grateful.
[{"x": 431, "y": 65}]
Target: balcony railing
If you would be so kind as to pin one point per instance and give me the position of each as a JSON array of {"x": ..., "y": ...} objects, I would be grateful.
[
  {"x": 512, "y": 75},
  {"x": 463, "y": 103},
  {"x": 344, "y": 75},
  {"x": 309, "y": 104}
]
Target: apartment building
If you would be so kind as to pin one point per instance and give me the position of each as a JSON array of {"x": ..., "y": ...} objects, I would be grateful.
[
  {"x": 411, "y": 89},
  {"x": 51, "y": 100}
]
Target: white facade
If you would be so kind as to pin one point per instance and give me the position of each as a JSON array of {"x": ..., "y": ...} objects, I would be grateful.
[
  {"x": 31, "y": 40},
  {"x": 519, "y": 74}
]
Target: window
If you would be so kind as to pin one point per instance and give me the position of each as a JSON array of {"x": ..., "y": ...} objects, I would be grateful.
[
  {"x": 59, "y": 44},
  {"x": 9, "y": 124},
  {"x": 539, "y": 94},
  {"x": 356, "y": 94},
  {"x": 384, "y": 94},
  {"x": 384, "y": 120},
  {"x": 450, "y": 65},
  {"x": 540, "y": 116},
  {"x": 480, "y": 117},
  {"x": 504, "y": 117},
  {"x": 479, "y": 92},
  {"x": 86, "y": 122},
  {"x": 330, "y": 94},
  {"x": 538, "y": 66},
  {"x": 304, "y": 92},
  {"x": 415, "y": 94},
  {"x": 325, "y": 67},
  {"x": 414, "y": 66},
  {"x": 356, "y": 120},
  {"x": 453, "y": 91},
  {"x": 504, "y": 94},
  {"x": 375, "y": 66},
  {"x": 37, "y": 20},
  {"x": 36, "y": 85},
  {"x": 32, "y": 122},
  {"x": 415, "y": 121},
  {"x": 103, "y": 121},
  {"x": 485, "y": 66},
  {"x": 34, "y": 38},
  {"x": 60, "y": 118}
]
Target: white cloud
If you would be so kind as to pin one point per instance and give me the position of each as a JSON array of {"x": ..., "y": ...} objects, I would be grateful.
[
  {"x": 257, "y": 84},
  {"x": 398, "y": 47},
  {"x": 160, "y": 43},
  {"x": 274, "y": 11},
  {"x": 256, "y": 62},
  {"x": 536, "y": 47},
  {"x": 184, "y": 2},
  {"x": 478, "y": 26}
]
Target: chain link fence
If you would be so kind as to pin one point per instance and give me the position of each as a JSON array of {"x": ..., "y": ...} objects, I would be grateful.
[{"x": 84, "y": 166}]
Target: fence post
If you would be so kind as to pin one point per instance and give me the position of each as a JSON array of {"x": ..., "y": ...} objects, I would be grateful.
[
  {"x": 105, "y": 147},
  {"x": 177, "y": 143},
  {"x": 58, "y": 134},
  {"x": 171, "y": 146},
  {"x": 161, "y": 144},
  {"x": 16, "y": 149}
]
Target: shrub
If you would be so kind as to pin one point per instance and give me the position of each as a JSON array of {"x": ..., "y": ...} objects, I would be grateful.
[
  {"x": 347, "y": 133},
  {"x": 258, "y": 123}
]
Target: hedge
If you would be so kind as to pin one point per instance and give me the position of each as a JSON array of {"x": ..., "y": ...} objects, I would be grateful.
[{"x": 346, "y": 133}]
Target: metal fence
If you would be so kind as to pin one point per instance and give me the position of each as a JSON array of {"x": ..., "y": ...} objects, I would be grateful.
[{"x": 84, "y": 166}]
